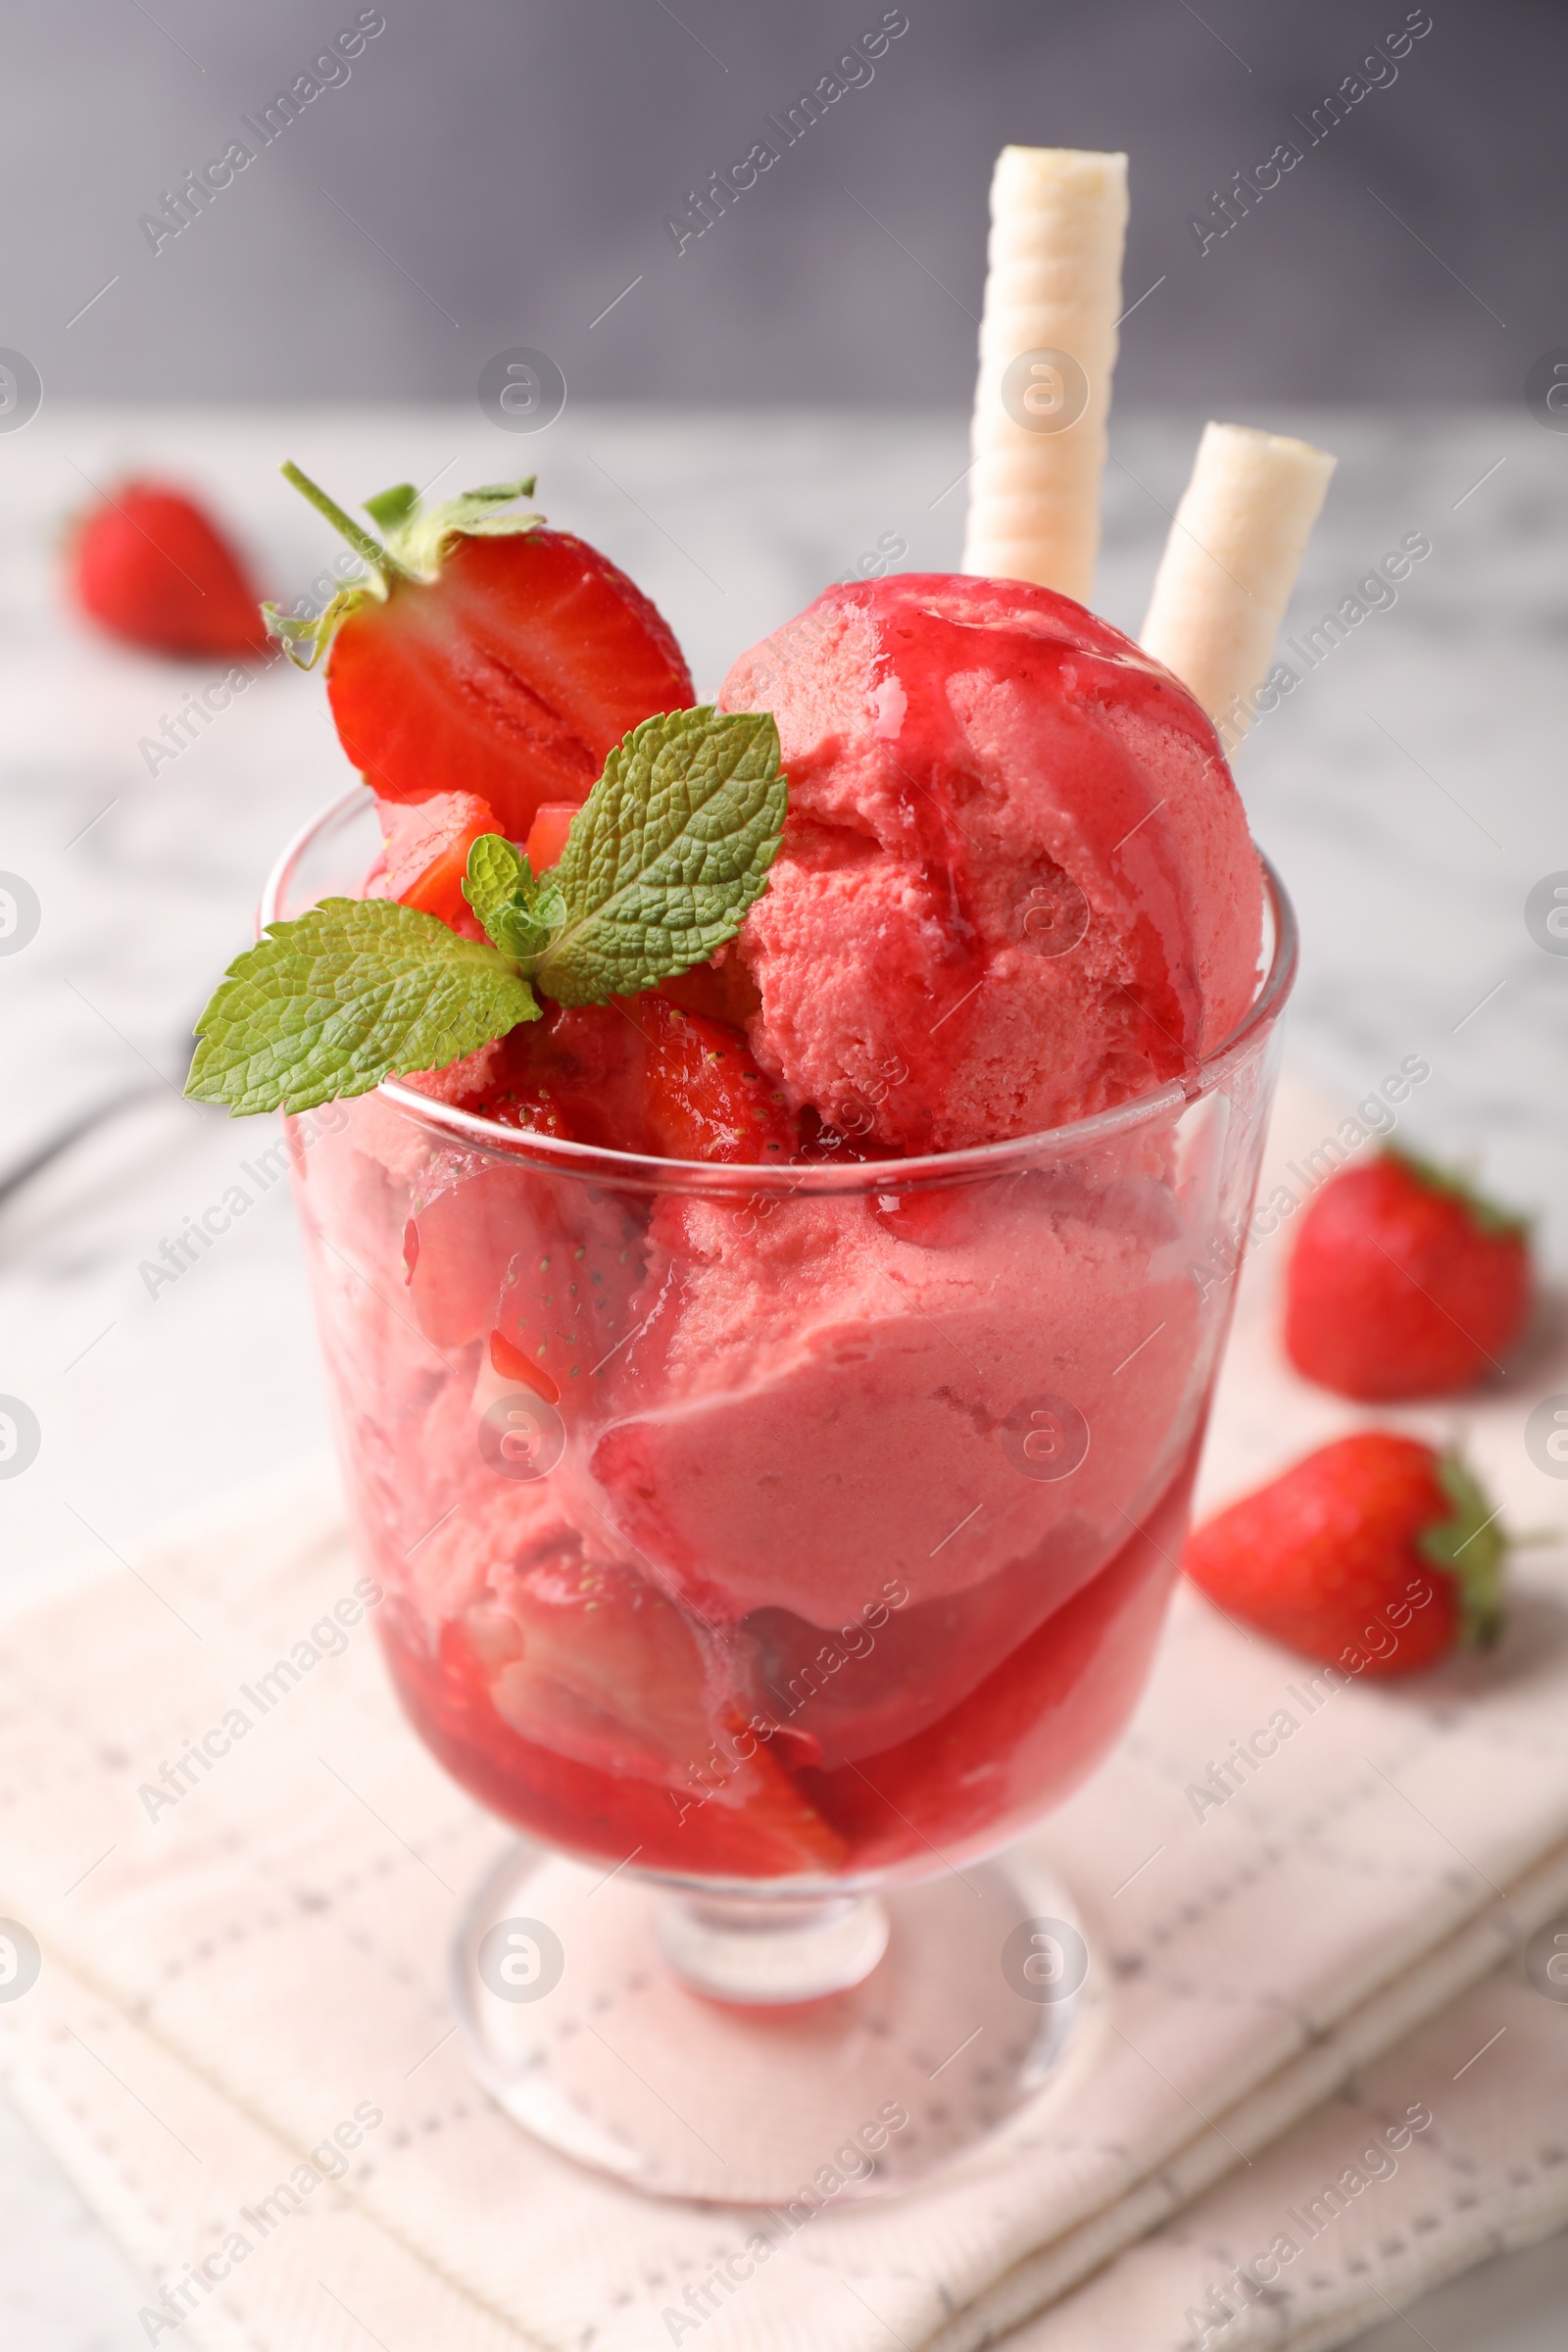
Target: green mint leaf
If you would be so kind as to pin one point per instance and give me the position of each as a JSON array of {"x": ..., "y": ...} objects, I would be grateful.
[
  {"x": 525, "y": 932},
  {"x": 548, "y": 906},
  {"x": 520, "y": 914},
  {"x": 517, "y": 934},
  {"x": 354, "y": 992},
  {"x": 666, "y": 854},
  {"x": 498, "y": 876}
]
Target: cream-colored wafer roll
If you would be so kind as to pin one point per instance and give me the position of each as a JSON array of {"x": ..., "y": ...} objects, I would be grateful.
[
  {"x": 1047, "y": 346},
  {"x": 1230, "y": 564}
]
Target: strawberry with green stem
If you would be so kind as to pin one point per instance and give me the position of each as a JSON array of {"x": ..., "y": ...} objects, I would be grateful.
[
  {"x": 1404, "y": 1282},
  {"x": 1377, "y": 1554},
  {"x": 482, "y": 652}
]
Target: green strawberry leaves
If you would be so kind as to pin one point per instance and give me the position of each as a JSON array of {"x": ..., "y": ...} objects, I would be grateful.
[
  {"x": 412, "y": 548},
  {"x": 664, "y": 860},
  {"x": 355, "y": 991},
  {"x": 1470, "y": 1547},
  {"x": 389, "y": 509},
  {"x": 1486, "y": 1215}
]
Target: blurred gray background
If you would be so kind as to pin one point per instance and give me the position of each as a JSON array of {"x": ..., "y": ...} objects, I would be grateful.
[{"x": 492, "y": 173}]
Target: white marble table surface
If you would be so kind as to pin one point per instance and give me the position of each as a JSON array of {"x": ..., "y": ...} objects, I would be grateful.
[{"x": 1411, "y": 791}]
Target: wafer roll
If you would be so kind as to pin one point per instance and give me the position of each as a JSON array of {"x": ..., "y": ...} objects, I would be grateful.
[
  {"x": 1230, "y": 564},
  {"x": 1048, "y": 345}
]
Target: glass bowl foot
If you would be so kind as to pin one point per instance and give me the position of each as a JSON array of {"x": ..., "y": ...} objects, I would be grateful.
[{"x": 774, "y": 2050}]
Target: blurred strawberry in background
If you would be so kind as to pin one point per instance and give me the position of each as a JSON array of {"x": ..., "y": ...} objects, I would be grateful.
[
  {"x": 1404, "y": 1282},
  {"x": 149, "y": 567}
]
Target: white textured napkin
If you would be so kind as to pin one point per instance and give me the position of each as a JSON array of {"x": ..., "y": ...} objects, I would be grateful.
[{"x": 257, "y": 1973}]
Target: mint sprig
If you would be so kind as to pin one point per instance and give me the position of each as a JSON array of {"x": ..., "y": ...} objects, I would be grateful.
[
  {"x": 662, "y": 861},
  {"x": 666, "y": 854},
  {"x": 520, "y": 916},
  {"x": 355, "y": 991}
]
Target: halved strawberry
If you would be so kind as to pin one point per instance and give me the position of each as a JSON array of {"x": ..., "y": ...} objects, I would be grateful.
[
  {"x": 487, "y": 652},
  {"x": 426, "y": 855}
]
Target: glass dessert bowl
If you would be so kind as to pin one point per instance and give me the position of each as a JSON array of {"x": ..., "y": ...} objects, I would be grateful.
[{"x": 771, "y": 1546}]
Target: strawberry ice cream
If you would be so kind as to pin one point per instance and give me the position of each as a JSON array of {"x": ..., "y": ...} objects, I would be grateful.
[
  {"x": 1016, "y": 883},
  {"x": 786, "y": 1360},
  {"x": 847, "y": 1487}
]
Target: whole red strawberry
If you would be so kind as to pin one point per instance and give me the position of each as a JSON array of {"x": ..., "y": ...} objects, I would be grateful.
[
  {"x": 484, "y": 653},
  {"x": 1375, "y": 1554},
  {"x": 1403, "y": 1283},
  {"x": 151, "y": 569}
]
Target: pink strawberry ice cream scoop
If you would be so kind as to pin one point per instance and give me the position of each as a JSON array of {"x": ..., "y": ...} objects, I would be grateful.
[
  {"x": 788, "y": 1359},
  {"x": 1016, "y": 885}
]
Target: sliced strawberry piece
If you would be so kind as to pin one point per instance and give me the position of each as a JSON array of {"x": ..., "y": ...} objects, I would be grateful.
[
  {"x": 826, "y": 1145},
  {"x": 550, "y": 1262},
  {"x": 706, "y": 1096},
  {"x": 515, "y": 670},
  {"x": 640, "y": 1074},
  {"x": 723, "y": 988},
  {"x": 151, "y": 567},
  {"x": 547, "y": 835},
  {"x": 426, "y": 855},
  {"x": 509, "y": 1361},
  {"x": 458, "y": 1242},
  {"x": 562, "y": 1307},
  {"x": 610, "y": 1672},
  {"x": 490, "y": 1251},
  {"x": 577, "y": 1701},
  {"x": 584, "y": 1065},
  {"x": 546, "y": 1262},
  {"x": 524, "y": 1081}
]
